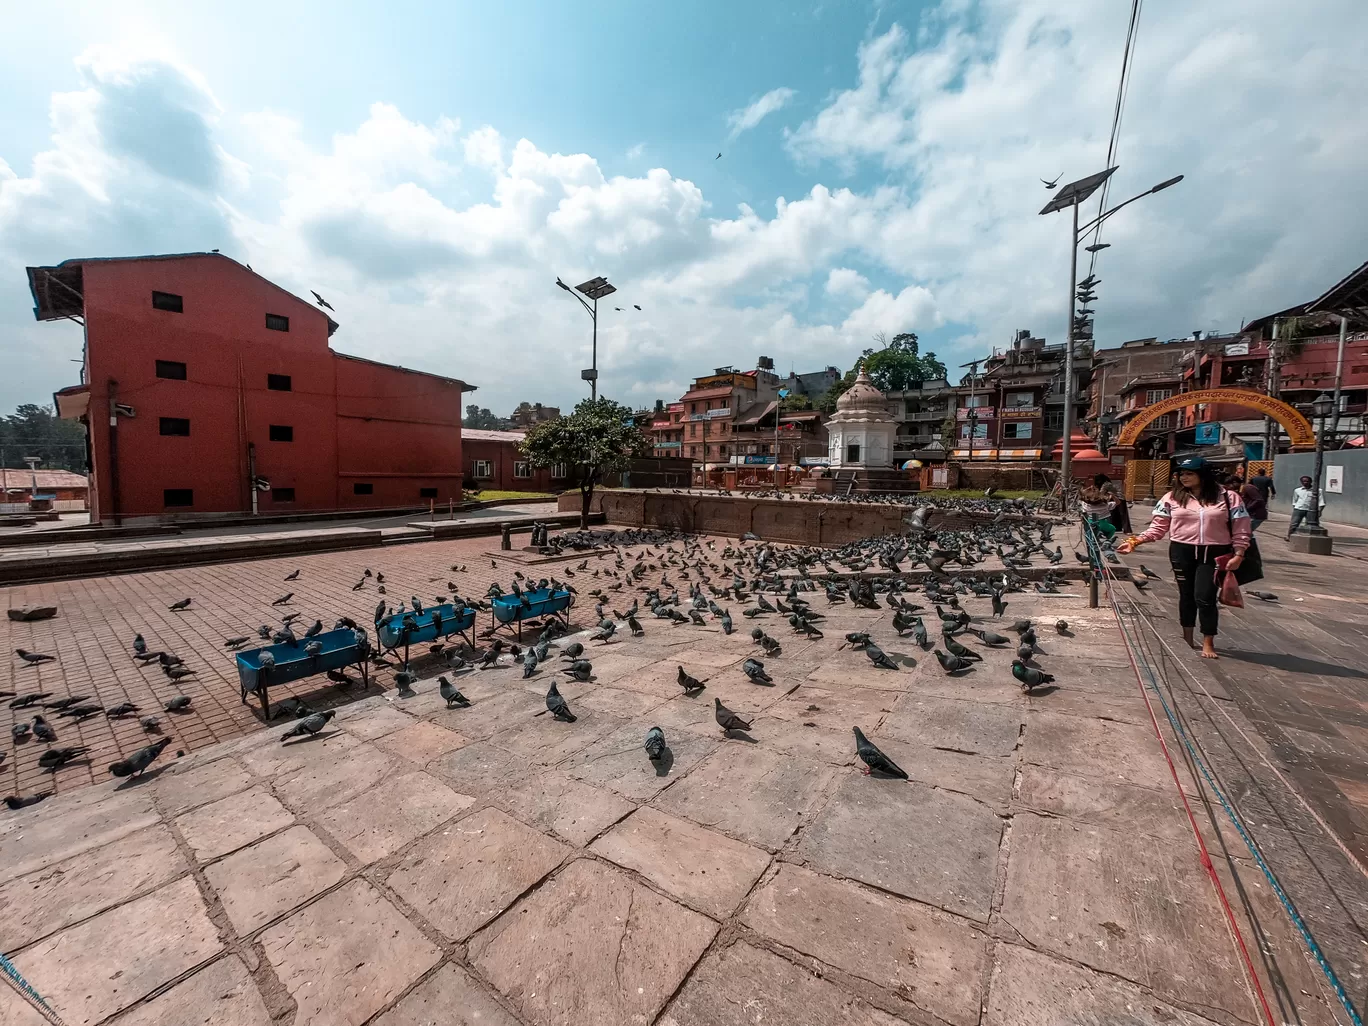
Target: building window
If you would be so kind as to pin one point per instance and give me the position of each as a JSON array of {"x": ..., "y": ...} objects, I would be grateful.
[
  {"x": 175, "y": 426},
  {"x": 281, "y": 433},
  {"x": 1020, "y": 429},
  {"x": 1161, "y": 423},
  {"x": 171, "y": 369},
  {"x": 1155, "y": 395},
  {"x": 724, "y": 450},
  {"x": 278, "y": 382},
  {"x": 973, "y": 401},
  {"x": 1054, "y": 420},
  {"x": 282, "y": 495},
  {"x": 427, "y": 493},
  {"x": 521, "y": 468},
  {"x": 363, "y": 488},
  {"x": 168, "y": 301},
  {"x": 484, "y": 468},
  {"x": 980, "y": 431},
  {"x": 559, "y": 471},
  {"x": 853, "y": 452},
  {"x": 693, "y": 451},
  {"x": 178, "y": 497},
  {"x": 277, "y": 323},
  {"x": 1020, "y": 399}
]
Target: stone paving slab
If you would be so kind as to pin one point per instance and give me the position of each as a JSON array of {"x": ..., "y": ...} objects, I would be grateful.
[
  {"x": 347, "y": 956},
  {"x": 229, "y": 823},
  {"x": 591, "y": 946},
  {"x": 259, "y": 884},
  {"x": 104, "y": 965},
  {"x": 451, "y": 997},
  {"x": 221, "y": 994},
  {"x": 391, "y": 814}
]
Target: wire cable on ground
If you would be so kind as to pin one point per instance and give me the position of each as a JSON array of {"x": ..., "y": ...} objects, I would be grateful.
[{"x": 1132, "y": 646}]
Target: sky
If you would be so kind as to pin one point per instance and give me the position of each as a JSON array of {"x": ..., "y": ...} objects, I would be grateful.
[{"x": 432, "y": 169}]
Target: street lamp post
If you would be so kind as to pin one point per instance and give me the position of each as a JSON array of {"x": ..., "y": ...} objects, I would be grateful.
[
  {"x": 1070, "y": 196},
  {"x": 595, "y": 289},
  {"x": 1321, "y": 405}
]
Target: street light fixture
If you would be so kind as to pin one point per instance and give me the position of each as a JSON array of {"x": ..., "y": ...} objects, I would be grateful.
[
  {"x": 595, "y": 289},
  {"x": 1069, "y": 197}
]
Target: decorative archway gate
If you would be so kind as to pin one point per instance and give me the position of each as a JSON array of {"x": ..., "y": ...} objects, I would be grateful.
[{"x": 1299, "y": 431}]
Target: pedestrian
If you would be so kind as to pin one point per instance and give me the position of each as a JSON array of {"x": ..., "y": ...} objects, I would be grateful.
[
  {"x": 1253, "y": 499},
  {"x": 1203, "y": 521},
  {"x": 1264, "y": 484},
  {"x": 1096, "y": 509},
  {"x": 1303, "y": 500},
  {"x": 1120, "y": 512}
]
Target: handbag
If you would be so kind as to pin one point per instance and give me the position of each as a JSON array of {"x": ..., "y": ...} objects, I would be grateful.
[
  {"x": 1228, "y": 593},
  {"x": 1251, "y": 567}
]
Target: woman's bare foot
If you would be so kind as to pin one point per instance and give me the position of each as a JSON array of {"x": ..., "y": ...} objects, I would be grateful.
[
  {"x": 1209, "y": 648},
  {"x": 1187, "y": 636}
]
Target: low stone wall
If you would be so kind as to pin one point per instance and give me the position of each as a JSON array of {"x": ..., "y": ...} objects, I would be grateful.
[{"x": 796, "y": 521}]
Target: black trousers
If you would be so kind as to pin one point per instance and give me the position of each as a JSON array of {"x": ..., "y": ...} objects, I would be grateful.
[{"x": 1194, "y": 568}]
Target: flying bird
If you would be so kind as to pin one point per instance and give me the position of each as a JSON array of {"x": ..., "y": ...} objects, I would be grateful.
[
  {"x": 719, "y": 155},
  {"x": 321, "y": 301},
  {"x": 1048, "y": 185},
  {"x": 635, "y": 307}
]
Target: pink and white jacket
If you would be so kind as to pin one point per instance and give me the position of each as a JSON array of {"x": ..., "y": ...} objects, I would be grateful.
[{"x": 1195, "y": 524}]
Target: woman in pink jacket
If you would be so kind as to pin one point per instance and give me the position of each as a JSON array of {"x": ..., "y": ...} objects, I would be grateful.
[{"x": 1203, "y": 521}]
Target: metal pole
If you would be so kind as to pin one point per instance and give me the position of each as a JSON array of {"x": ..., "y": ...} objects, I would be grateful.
[
  {"x": 117, "y": 514},
  {"x": 1270, "y": 425},
  {"x": 251, "y": 475},
  {"x": 1339, "y": 378},
  {"x": 1314, "y": 518},
  {"x": 593, "y": 382},
  {"x": 1064, "y": 452}
]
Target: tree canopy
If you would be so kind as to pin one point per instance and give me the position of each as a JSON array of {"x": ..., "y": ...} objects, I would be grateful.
[
  {"x": 482, "y": 419},
  {"x": 598, "y": 437},
  {"x": 33, "y": 430},
  {"x": 895, "y": 365}
]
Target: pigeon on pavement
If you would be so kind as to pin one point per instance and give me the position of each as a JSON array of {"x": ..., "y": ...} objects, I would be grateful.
[
  {"x": 726, "y": 719},
  {"x": 137, "y": 763},
  {"x": 873, "y": 758},
  {"x": 556, "y": 704},
  {"x": 309, "y": 724},
  {"x": 655, "y": 743}
]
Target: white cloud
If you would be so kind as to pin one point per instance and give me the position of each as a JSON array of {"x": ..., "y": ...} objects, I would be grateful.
[
  {"x": 635, "y": 152},
  {"x": 746, "y": 118},
  {"x": 843, "y": 282}
]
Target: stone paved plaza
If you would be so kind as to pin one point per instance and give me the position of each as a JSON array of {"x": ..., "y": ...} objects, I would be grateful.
[{"x": 491, "y": 865}]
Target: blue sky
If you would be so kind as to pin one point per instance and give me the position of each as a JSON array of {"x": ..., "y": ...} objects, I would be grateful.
[{"x": 432, "y": 168}]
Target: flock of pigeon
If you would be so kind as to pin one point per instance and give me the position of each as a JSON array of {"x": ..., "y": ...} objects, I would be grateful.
[{"x": 762, "y": 581}]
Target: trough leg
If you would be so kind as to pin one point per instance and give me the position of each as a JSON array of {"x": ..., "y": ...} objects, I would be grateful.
[{"x": 265, "y": 701}]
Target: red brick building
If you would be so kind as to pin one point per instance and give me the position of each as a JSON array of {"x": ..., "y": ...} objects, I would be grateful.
[
  {"x": 18, "y": 485},
  {"x": 492, "y": 462},
  {"x": 201, "y": 377}
]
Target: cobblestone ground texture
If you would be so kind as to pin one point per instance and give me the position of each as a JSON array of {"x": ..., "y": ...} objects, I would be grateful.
[{"x": 490, "y": 865}]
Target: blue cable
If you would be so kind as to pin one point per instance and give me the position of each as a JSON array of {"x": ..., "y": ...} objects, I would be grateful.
[{"x": 1297, "y": 921}]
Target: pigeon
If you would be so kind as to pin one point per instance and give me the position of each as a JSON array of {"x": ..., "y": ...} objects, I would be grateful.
[
  {"x": 139, "y": 645},
  {"x": 1029, "y": 676},
  {"x": 655, "y": 744},
  {"x": 556, "y": 705},
  {"x": 726, "y": 622},
  {"x": 1263, "y": 596},
  {"x": 313, "y": 648},
  {"x": 20, "y": 730},
  {"x": 755, "y": 670},
  {"x": 572, "y": 651},
  {"x": 451, "y": 695},
  {"x": 323, "y": 303},
  {"x": 168, "y": 660},
  {"x": 1062, "y": 626},
  {"x": 283, "y": 599},
  {"x": 80, "y": 712},
  {"x": 42, "y": 731},
  {"x": 55, "y": 758},
  {"x": 726, "y": 719},
  {"x": 878, "y": 657},
  {"x": 988, "y": 637},
  {"x": 292, "y": 576},
  {"x": 24, "y": 701},
  {"x": 607, "y": 628},
  {"x": 687, "y": 682},
  {"x": 1149, "y": 573},
  {"x": 34, "y": 658},
  {"x": 951, "y": 663},
  {"x": 66, "y": 703},
  {"x": 177, "y": 704},
  {"x": 529, "y": 664},
  {"x": 177, "y": 672},
  {"x": 15, "y": 801},
  {"x": 955, "y": 648},
  {"x": 315, "y": 628},
  {"x": 234, "y": 642},
  {"x": 309, "y": 724},
  {"x": 1048, "y": 185},
  {"x": 295, "y": 708},
  {"x": 137, "y": 763},
  {"x": 581, "y": 670},
  {"x": 873, "y": 758},
  {"x": 151, "y": 724},
  {"x": 176, "y": 607}
]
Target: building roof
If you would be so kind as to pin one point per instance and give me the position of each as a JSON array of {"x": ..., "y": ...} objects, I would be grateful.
[
  {"x": 21, "y": 479},
  {"x": 59, "y": 292},
  {"x": 1348, "y": 296},
  {"x": 707, "y": 393},
  {"x": 406, "y": 370},
  {"x": 755, "y": 414},
  {"x": 477, "y": 435}
]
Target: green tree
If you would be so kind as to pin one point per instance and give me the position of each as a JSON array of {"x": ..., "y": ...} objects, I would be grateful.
[
  {"x": 598, "y": 437},
  {"x": 33, "y": 430},
  {"x": 794, "y": 401},
  {"x": 480, "y": 418},
  {"x": 895, "y": 365}
]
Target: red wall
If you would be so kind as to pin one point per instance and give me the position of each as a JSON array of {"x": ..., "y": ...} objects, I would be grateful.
[
  {"x": 503, "y": 455},
  {"x": 353, "y": 420}
]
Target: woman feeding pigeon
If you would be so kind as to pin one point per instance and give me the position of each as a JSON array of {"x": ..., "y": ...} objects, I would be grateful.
[{"x": 1204, "y": 521}]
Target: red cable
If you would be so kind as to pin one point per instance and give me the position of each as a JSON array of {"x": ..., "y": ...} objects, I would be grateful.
[{"x": 1192, "y": 820}]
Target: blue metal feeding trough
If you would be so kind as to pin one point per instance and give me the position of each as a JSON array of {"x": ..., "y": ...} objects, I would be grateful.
[
  {"x": 510, "y": 609},
  {"x": 412, "y": 628},
  {"x": 290, "y": 661}
]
